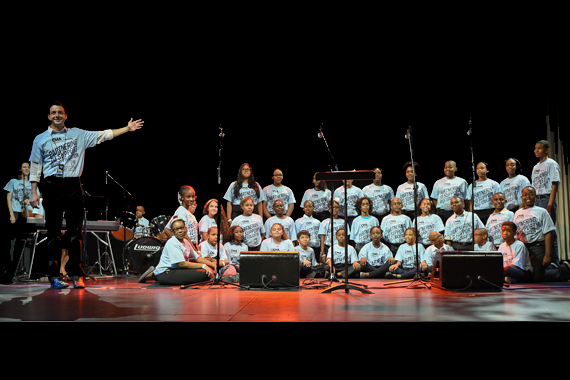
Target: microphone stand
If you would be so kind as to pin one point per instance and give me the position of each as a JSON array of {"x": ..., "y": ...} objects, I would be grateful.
[
  {"x": 216, "y": 280},
  {"x": 331, "y": 162},
  {"x": 417, "y": 277},
  {"x": 470, "y": 133}
]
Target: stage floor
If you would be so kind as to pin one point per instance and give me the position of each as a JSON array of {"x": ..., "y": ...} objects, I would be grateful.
[{"x": 122, "y": 298}]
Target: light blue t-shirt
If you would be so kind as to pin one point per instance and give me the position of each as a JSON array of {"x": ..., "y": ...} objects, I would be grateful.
[
  {"x": 445, "y": 189},
  {"x": 191, "y": 223},
  {"x": 495, "y": 225},
  {"x": 244, "y": 192},
  {"x": 320, "y": 199},
  {"x": 311, "y": 225},
  {"x": 252, "y": 227},
  {"x": 205, "y": 223},
  {"x": 407, "y": 255},
  {"x": 429, "y": 253},
  {"x": 67, "y": 148},
  {"x": 340, "y": 253},
  {"x": 234, "y": 251},
  {"x": 512, "y": 188},
  {"x": 406, "y": 193},
  {"x": 458, "y": 228},
  {"x": 19, "y": 189},
  {"x": 308, "y": 255},
  {"x": 352, "y": 195},
  {"x": 381, "y": 196},
  {"x": 532, "y": 224},
  {"x": 394, "y": 227},
  {"x": 516, "y": 254},
  {"x": 140, "y": 227},
  {"x": 269, "y": 245},
  {"x": 427, "y": 225},
  {"x": 361, "y": 226},
  {"x": 174, "y": 252},
  {"x": 544, "y": 174},
  {"x": 207, "y": 249},
  {"x": 288, "y": 225},
  {"x": 325, "y": 229},
  {"x": 375, "y": 256},
  {"x": 484, "y": 191},
  {"x": 488, "y": 246},
  {"x": 272, "y": 193}
]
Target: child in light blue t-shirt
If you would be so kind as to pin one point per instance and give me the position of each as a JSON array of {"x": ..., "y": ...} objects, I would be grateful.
[
  {"x": 406, "y": 258},
  {"x": 352, "y": 195},
  {"x": 446, "y": 189},
  {"x": 380, "y": 195},
  {"x": 375, "y": 257},
  {"x": 320, "y": 196},
  {"x": 482, "y": 242},
  {"x": 427, "y": 222},
  {"x": 308, "y": 223},
  {"x": 512, "y": 186},
  {"x": 277, "y": 191},
  {"x": 406, "y": 191},
  {"x": 363, "y": 223},
  {"x": 394, "y": 226},
  {"x": 481, "y": 200},
  {"x": 497, "y": 218},
  {"x": 251, "y": 224},
  {"x": 245, "y": 186}
]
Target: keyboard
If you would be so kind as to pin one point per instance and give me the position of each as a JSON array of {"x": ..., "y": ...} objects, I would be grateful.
[{"x": 92, "y": 225}]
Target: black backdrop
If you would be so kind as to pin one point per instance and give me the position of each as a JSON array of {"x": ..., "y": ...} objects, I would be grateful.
[{"x": 271, "y": 120}]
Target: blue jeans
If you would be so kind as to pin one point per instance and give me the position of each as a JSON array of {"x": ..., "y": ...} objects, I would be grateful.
[
  {"x": 518, "y": 274},
  {"x": 536, "y": 252},
  {"x": 543, "y": 203}
]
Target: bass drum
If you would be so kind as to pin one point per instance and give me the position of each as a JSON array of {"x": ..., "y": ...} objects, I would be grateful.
[
  {"x": 157, "y": 226},
  {"x": 143, "y": 253}
]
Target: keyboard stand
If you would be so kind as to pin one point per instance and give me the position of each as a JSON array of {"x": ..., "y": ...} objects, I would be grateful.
[
  {"x": 107, "y": 242},
  {"x": 36, "y": 233}
]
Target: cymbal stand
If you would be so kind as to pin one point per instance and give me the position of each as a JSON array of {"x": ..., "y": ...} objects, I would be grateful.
[{"x": 125, "y": 192}]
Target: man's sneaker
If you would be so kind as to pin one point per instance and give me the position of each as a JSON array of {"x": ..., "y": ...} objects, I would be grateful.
[
  {"x": 58, "y": 283},
  {"x": 78, "y": 282}
]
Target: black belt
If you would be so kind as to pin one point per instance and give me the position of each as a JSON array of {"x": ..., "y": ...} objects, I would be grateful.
[{"x": 543, "y": 196}]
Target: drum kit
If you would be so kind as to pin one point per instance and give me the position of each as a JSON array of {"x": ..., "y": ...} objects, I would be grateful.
[{"x": 143, "y": 250}]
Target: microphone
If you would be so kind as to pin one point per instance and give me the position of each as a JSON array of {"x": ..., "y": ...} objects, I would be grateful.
[
  {"x": 320, "y": 135},
  {"x": 469, "y": 132},
  {"x": 407, "y": 136},
  {"x": 221, "y": 131}
]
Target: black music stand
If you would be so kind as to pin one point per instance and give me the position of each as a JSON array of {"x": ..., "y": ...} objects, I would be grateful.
[{"x": 340, "y": 177}]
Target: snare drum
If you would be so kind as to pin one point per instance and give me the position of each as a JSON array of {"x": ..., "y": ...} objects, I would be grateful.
[{"x": 143, "y": 253}]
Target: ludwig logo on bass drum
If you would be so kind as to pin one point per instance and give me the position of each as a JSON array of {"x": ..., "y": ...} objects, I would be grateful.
[{"x": 140, "y": 247}]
